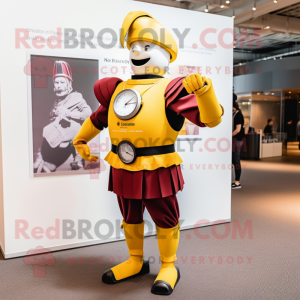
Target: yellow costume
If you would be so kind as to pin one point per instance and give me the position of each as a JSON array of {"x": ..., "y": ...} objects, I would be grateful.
[{"x": 152, "y": 132}]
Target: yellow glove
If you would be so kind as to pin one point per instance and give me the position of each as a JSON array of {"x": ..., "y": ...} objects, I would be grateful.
[
  {"x": 209, "y": 107},
  {"x": 86, "y": 133}
]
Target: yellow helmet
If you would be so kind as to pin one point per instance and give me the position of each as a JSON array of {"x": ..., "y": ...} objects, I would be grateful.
[{"x": 142, "y": 26}]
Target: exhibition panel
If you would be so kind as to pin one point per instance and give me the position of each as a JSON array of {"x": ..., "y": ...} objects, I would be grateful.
[
  {"x": 149, "y": 147},
  {"x": 73, "y": 207}
]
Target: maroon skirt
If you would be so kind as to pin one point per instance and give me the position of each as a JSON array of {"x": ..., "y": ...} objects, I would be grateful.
[{"x": 159, "y": 183}]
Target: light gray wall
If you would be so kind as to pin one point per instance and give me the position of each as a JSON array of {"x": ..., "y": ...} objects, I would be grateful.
[
  {"x": 264, "y": 110},
  {"x": 286, "y": 78},
  {"x": 265, "y": 66},
  {"x": 268, "y": 75}
]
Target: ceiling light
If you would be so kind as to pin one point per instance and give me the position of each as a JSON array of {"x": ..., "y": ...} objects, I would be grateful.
[
  {"x": 272, "y": 93},
  {"x": 290, "y": 92},
  {"x": 206, "y": 9},
  {"x": 240, "y": 64},
  {"x": 267, "y": 27},
  {"x": 254, "y": 7},
  {"x": 258, "y": 93},
  {"x": 227, "y": 2},
  {"x": 222, "y": 6},
  {"x": 233, "y": 17},
  {"x": 275, "y": 1}
]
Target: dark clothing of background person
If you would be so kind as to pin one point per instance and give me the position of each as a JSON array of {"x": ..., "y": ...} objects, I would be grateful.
[
  {"x": 237, "y": 144},
  {"x": 236, "y": 158},
  {"x": 268, "y": 129},
  {"x": 239, "y": 119}
]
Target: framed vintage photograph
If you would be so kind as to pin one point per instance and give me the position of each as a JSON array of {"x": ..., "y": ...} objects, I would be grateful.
[{"x": 61, "y": 98}]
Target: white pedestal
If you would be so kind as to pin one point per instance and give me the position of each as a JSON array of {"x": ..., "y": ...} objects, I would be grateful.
[{"x": 271, "y": 150}]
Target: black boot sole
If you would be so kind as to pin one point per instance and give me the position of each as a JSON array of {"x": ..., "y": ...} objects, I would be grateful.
[
  {"x": 109, "y": 277},
  {"x": 163, "y": 288}
]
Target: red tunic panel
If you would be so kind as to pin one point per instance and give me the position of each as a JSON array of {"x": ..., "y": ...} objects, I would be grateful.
[{"x": 159, "y": 183}]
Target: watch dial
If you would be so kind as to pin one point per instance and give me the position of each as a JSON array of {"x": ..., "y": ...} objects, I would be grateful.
[
  {"x": 126, "y": 153},
  {"x": 125, "y": 103}
]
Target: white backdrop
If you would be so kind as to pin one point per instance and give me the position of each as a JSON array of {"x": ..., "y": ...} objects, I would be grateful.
[{"x": 41, "y": 201}]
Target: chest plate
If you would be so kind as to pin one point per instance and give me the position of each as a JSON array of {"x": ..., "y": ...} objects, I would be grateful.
[{"x": 149, "y": 127}]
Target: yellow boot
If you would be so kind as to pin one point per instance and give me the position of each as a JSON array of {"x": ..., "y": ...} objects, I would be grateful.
[
  {"x": 135, "y": 266},
  {"x": 169, "y": 275}
]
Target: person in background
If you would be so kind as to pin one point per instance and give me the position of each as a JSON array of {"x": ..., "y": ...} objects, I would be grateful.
[
  {"x": 298, "y": 131},
  {"x": 237, "y": 141},
  {"x": 269, "y": 127}
]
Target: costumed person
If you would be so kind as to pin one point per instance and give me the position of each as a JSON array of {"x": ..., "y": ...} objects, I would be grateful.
[
  {"x": 144, "y": 116},
  {"x": 66, "y": 117}
]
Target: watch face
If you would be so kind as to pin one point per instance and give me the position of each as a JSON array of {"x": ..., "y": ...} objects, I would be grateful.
[
  {"x": 127, "y": 104},
  {"x": 126, "y": 152}
]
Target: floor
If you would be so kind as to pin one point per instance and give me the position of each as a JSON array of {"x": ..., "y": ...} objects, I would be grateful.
[
  {"x": 293, "y": 149},
  {"x": 261, "y": 263}
]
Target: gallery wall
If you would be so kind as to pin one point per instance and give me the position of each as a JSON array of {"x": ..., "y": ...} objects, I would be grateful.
[
  {"x": 45, "y": 205},
  {"x": 2, "y": 240}
]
